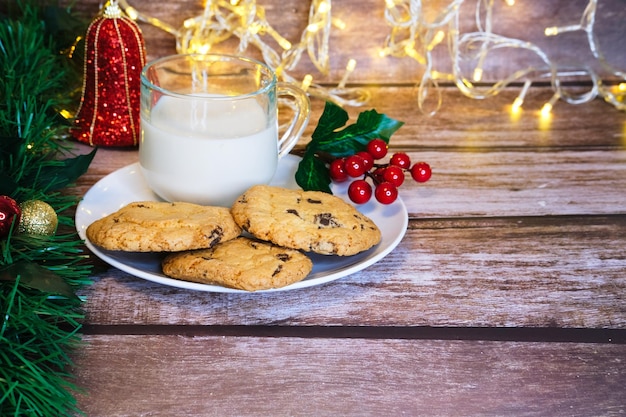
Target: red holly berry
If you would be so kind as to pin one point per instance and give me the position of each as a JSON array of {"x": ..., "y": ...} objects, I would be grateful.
[
  {"x": 394, "y": 174},
  {"x": 421, "y": 172},
  {"x": 360, "y": 191},
  {"x": 384, "y": 178},
  {"x": 337, "y": 170},
  {"x": 368, "y": 159},
  {"x": 400, "y": 159},
  {"x": 377, "y": 148},
  {"x": 386, "y": 193},
  {"x": 355, "y": 166},
  {"x": 378, "y": 174}
]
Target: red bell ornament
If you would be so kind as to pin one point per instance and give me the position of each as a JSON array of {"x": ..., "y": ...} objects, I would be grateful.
[{"x": 115, "y": 53}]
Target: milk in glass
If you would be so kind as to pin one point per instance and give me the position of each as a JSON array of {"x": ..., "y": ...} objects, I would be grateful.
[{"x": 207, "y": 151}]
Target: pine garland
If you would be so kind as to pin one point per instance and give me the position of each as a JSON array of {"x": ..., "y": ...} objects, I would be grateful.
[{"x": 39, "y": 275}]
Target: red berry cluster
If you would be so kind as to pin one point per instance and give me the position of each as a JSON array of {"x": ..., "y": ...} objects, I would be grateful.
[{"x": 386, "y": 178}]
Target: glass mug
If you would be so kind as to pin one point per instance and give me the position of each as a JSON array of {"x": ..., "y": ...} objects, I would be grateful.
[{"x": 209, "y": 126}]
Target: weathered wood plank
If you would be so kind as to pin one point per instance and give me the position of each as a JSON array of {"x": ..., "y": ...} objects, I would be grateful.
[
  {"x": 215, "y": 376},
  {"x": 462, "y": 124},
  {"x": 467, "y": 123},
  {"x": 513, "y": 272},
  {"x": 488, "y": 183},
  {"x": 524, "y": 183}
]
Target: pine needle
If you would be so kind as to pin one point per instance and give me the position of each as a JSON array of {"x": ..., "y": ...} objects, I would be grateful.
[{"x": 38, "y": 328}]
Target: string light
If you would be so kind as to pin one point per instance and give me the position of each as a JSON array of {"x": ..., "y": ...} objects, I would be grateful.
[
  {"x": 547, "y": 108},
  {"x": 412, "y": 36},
  {"x": 437, "y": 39},
  {"x": 244, "y": 19},
  {"x": 338, "y": 23},
  {"x": 349, "y": 70},
  {"x": 136, "y": 15},
  {"x": 306, "y": 82},
  {"x": 519, "y": 100}
]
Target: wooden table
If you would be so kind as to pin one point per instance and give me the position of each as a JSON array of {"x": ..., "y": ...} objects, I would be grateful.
[{"x": 505, "y": 297}]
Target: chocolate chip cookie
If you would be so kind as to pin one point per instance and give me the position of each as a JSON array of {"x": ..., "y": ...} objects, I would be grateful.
[
  {"x": 306, "y": 220},
  {"x": 241, "y": 263},
  {"x": 151, "y": 226}
]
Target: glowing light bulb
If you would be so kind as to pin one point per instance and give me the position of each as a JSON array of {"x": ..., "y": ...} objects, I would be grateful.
[
  {"x": 516, "y": 107},
  {"x": 519, "y": 100},
  {"x": 478, "y": 74},
  {"x": 284, "y": 43},
  {"x": 349, "y": 70},
  {"x": 65, "y": 113},
  {"x": 254, "y": 28},
  {"x": 547, "y": 108},
  {"x": 551, "y": 31},
  {"x": 313, "y": 27},
  {"x": 132, "y": 13},
  {"x": 338, "y": 23},
  {"x": 510, "y": 2},
  {"x": 554, "y": 30},
  {"x": 439, "y": 36},
  {"x": 436, "y": 75},
  {"x": 306, "y": 82},
  {"x": 410, "y": 51},
  {"x": 324, "y": 7},
  {"x": 351, "y": 65}
]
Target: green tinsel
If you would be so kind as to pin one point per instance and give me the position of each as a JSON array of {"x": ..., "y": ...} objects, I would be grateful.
[{"x": 39, "y": 275}]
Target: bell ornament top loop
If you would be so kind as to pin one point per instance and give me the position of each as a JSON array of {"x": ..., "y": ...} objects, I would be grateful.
[{"x": 113, "y": 10}]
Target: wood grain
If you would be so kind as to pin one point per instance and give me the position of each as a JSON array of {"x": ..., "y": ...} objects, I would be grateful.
[
  {"x": 472, "y": 255},
  {"x": 483, "y": 164},
  {"x": 496, "y": 183},
  {"x": 216, "y": 376},
  {"x": 512, "y": 264},
  {"x": 514, "y": 272}
]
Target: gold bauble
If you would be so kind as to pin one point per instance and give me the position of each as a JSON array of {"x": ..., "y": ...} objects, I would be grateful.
[{"x": 38, "y": 218}]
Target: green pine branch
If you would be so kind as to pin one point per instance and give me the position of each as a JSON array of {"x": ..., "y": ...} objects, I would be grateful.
[
  {"x": 35, "y": 341},
  {"x": 39, "y": 275}
]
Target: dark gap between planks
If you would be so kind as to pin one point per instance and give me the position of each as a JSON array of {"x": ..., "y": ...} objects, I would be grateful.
[{"x": 505, "y": 334}]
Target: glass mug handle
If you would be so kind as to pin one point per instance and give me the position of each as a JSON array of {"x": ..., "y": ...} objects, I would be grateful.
[{"x": 301, "y": 106}]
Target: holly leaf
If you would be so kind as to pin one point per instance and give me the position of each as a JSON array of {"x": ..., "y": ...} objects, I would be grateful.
[
  {"x": 333, "y": 117},
  {"x": 61, "y": 173},
  {"x": 328, "y": 140},
  {"x": 35, "y": 276},
  {"x": 312, "y": 175},
  {"x": 354, "y": 138}
]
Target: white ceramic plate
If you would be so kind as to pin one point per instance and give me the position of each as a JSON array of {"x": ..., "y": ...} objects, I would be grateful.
[{"x": 127, "y": 185}]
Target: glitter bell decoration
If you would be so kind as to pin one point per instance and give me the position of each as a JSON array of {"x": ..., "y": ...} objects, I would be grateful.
[{"x": 108, "y": 114}]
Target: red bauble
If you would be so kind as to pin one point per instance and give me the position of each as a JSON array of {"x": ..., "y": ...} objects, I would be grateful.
[
  {"x": 114, "y": 56},
  {"x": 9, "y": 212}
]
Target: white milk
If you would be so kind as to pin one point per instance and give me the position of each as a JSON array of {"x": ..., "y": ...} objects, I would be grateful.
[{"x": 207, "y": 152}]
